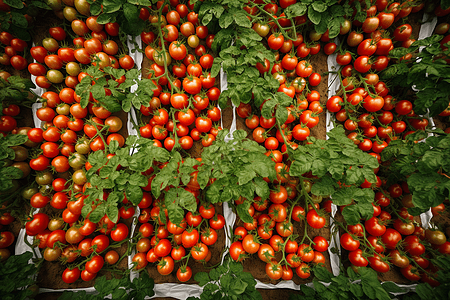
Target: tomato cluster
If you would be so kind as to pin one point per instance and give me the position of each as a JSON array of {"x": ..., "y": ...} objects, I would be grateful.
[
  {"x": 373, "y": 117},
  {"x": 69, "y": 133},
  {"x": 13, "y": 51},
  {"x": 364, "y": 104},
  {"x": 182, "y": 108},
  {"x": 9, "y": 126},
  {"x": 302, "y": 116},
  {"x": 274, "y": 232},
  {"x": 165, "y": 244},
  {"x": 393, "y": 237}
]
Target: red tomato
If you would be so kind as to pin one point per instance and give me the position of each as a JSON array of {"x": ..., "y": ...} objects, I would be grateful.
[
  {"x": 315, "y": 220},
  {"x": 70, "y": 276}
]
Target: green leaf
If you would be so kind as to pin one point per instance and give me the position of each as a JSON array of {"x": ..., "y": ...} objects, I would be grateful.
[
  {"x": 104, "y": 18},
  {"x": 356, "y": 289},
  {"x": 324, "y": 187},
  {"x": 202, "y": 278},
  {"x": 225, "y": 20},
  {"x": 281, "y": 115},
  {"x": 334, "y": 26},
  {"x": 391, "y": 287},
  {"x": 261, "y": 188},
  {"x": 295, "y": 10},
  {"x": 337, "y": 10},
  {"x": 245, "y": 175},
  {"x": 445, "y": 4},
  {"x": 241, "y": 19},
  {"x": 95, "y": 8},
  {"x": 322, "y": 274},
  {"x": 98, "y": 213},
  {"x": 242, "y": 211},
  {"x": 131, "y": 12},
  {"x": 14, "y": 3},
  {"x": 298, "y": 168},
  {"x": 19, "y": 20},
  {"x": 134, "y": 193},
  {"x": 112, "y": 211},
  {"x": 314, "y": 16},
  {"x": 238, "y": 287},
  {"x": 175, "y": 212},
  {"x": 110, "y": 6},
  {"x": 319, "y": 6},
  {"x": 40, "y": 4},
  {"x": 187, "y": 200}
]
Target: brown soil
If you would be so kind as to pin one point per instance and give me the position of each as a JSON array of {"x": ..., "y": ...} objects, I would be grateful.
[
  {"x": 319, "y": 62},
  {"x": 441, "y": 122},
  {"x": 216, "y": 250}
]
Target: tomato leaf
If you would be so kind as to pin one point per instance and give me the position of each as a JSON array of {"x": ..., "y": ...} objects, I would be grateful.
[
  {"x": 134, "y": 193},
  {"x": 238, "y": 287},
  {"x": 261, "y": 188},
  {"x": 242, "y": 211},
  {"x": 202, "y": 278},
  {"x": 391, "y": 287},
  {"x": 110, "y": 6},
  {"x": 241, "y": 19},
  {"x": 294, "y": 10},
  {"x": 113, "y": 213},
  {"x": 142, "y": 286},
  {"x": 314, "y": 16},
  {"x": 319, "y": 6},
  {"x": 172, "y": 201},
  {"x": 187, "y": 200},
  {"x": 334, "y": 25},
  {"x": 98, "y": 213},
  {"x": 324, "y": 186},
  {"x": 14, "y": 3}
]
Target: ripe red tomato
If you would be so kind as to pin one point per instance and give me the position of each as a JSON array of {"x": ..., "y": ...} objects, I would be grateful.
[
  {"x": 402, "y": 32},
  {"x": 163, "y": 248},
  {"x": 70, "y": 276},
  {"x": 349, "y": 243},
  {"x": 275, "y": 41},
  {"x": 374, "y": 228},
  {"x": 100, "y": 243},
  {"x": 95, "y": 264},
  {"x": 165, "y": 266},
  {"x": 315, "y": 220},
  {"x": 357, "y": 259},
  {"x": 250, "y": 244},
  {"x": 373, "y": 104},
  {"x": 120, "y": 233},
  {"x": 321, "y": 244},
  {"x": 378, "y": 264},
  {"x": 237, "y": 251}
]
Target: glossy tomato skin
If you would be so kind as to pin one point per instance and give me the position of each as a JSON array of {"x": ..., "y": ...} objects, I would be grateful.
[
  {"x": 357, "y": 259},
  {"x": 321, "y": 244},
  {"x": 237, "y": 252},
  {"x": 70, "y": 276},
  {"x": 37, "y": 224},
  {"x": 95, "y": 264},
  {"x": 165, "y": 266},
  {"x": 315, "y": 220},
  {"x": 348, "y": 242}
]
